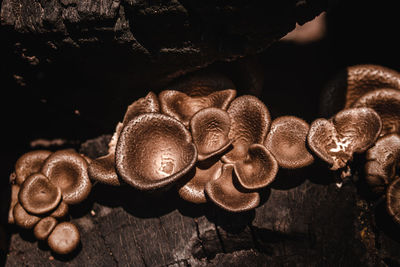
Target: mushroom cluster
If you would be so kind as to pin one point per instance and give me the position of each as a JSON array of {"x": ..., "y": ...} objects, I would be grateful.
[{"x": 43, "y": 186}]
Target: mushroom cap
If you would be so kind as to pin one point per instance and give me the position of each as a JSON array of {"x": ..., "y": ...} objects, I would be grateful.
[
  {"x": 223, "y": 192},
  {"x": 193, "y": 190},
  {"x": 258, "y": 169},
  {"x": 67, "y": 170},
  {"x": 13, "y": 202},
  {"x": 146, "y": 104},
  {"x": 44, "y": 227},
  {"x": 103, "y": 170},
  {"x": 30, "y": 163},
  {"x": 393, "y": 200},
  {"x": 386, "y": 102},
  {"x": 38, "y": 195},
  {"x": 153, "y": 151},
  {"x": 61, "y": 211},
  {"x": 250, "y": 122},
  {"x": 182, "y": 107},
  {"x": 23, "y": 219},
  {"x": 349, "y": 131},
  {"x": 64, "y": 238},
  {"x": 286, "y": 140},
  {"x": 210, "y": 129}
]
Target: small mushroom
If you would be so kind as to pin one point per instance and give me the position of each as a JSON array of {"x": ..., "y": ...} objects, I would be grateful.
[
  {"x": 67, "y": 170},
  {"x": 393, "y": 200},
  {"x": 61, "y": 211},
  {"x": 13, "y": 202},
  {"x": 44, "y": 227},
  {"x": 349, "y": 131},
  {"x": 250, "y": 122},
  {"x": 38, "y": 195},
  {"x": 258, "y": 169},
  {"x": 286, "y": 140},
  {"x": 193, "y": 190},
  {"x": 153, "y": 151},
  {"x": 182, "y": 107},
  {"x": 103, "y": 170},
  {"x": 64, "y": 238},
  {"x": 224, "y": 193},
  {"x": 386, "y": 102},
  {"x": 382, "y": 160},
  {"x": 210, "y": 129},
  {"x": 30, "y": 163},
  {"x": 147, "y": 104},
  {"x": 23, "y": 219}
]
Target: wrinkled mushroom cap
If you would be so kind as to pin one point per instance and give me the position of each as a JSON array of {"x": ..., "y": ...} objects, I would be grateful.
[
  {"x": 224, "y": 193},
  {"x": 67, "y": 170},
  {"x": 258, "y": 169},
  {"x": 386, "y": 102},
  {"x": 64, "y": 239},
  {"x": 23, "y": 219},
  {"x": 286, "y": 140},
  {"x": 210, "y": 129},
  {"x": 153, "y": 151},
  {"x": 44, "y": 227},
  {"x": 13, "y": 202},
  {"x": 29, "y": 163},
  {"x": 393, "y": 200},
  {"x": 38, "y": 195},
  {"x": 103, "y": 170}
]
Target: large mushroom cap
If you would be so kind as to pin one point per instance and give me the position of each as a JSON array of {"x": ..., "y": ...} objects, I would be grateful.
[
  {"x": 350, "y": 131},
  {"x": 223, "y": 192},
  {"x": 286, "y": 140},
  {"x": 153, "y": 151},
  {"x": 30, "y": 163},
  {"x": 393, "y": 200},
  {"x": 44, "y": 227},
  {"x": 103, "y": 170},
  {"x": 210, "y": 129},
  {"x": 250, "y": 122},
  {"x": 67, "y": 170},
  {"x": 64, "y": 238},
  {"x": 386, "y": 102},
  {"x": 38, "y": 195},
  {"x": 258, "y": 169},
  {"x": 23, "y": 219}
]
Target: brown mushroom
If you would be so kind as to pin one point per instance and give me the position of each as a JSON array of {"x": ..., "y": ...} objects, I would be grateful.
[
  {"x": 61, "y": 211},
  {"x": 153, "y": 151},
  {"x": 67, "y": 170},
  {"x": 386, "y": 102},
  {"x": 23, "y": 219},
  {"x": 193, "y": 190},
  {"x": 147, "y": 104},
  {"x": 44, "y": 227},
  {"x": 182, "y": 107},
  {"x": 258, "y": 169},
  {"x": 393, "y": 200},
  {"x": 349, "y": 131},
  {"x": 38, "y": 195},
  {"x": 382, "y": 160},
  {"x": 210, "y": 129},
  {"x": 13, "y": 202},
  {"x": 64, "y": 238},
  {"x": 103, "y": 170},
  {"x": 30, "y": 163},
  {"x": 286, "y": 140},
  {"x": 223, "y": 192},
  {"x": 250, "y": 122}
]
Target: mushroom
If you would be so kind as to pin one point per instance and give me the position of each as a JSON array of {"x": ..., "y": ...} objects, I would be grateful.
[
  {"x": 250, "y": 121},
  {"x": 61, "y": 211},
  {"x": 67, "y": 170},
  {"x": 393, "y": 200},
  {"x": 258, "y": 169},
  {"x": 153, "y": 151},
  {"x": 182, "y": 107},
  {"x": 23, "y": 219},
  {"x": 386, "y": 102},
  {"x": 30, "y": 163},
  {"x": 193, "y": 190},
  {"x": 210, "y": 129},
  {"x": 286, "y": 140},
  {"x": 382, "y": 160},
  {"x": 349, "y": 131},
  {"x": 64, "y": 238},
  {"x": 103, "y": 170},
  {"x": 13, "y": 202},
  {"x": 38, "y": 195},
  {"x": 44, "y": 227},
  {"x": 224, "y": 193}
]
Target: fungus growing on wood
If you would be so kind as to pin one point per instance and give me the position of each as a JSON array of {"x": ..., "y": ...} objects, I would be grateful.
[
  {"x": 67, "y": 170},
  {"x": 29, "y": 163},
  {"x": 23, "y": 219},
  {"x": 349, "y": 131},
  {"x": 64, "y": 238},
  {"x": 286, "y": 140},
  {"x": 13, "y": 202},
  {"x": 153, "y": 151},
  {"x": 393, "y": 200},
  {"x": 44, "y": 227}
]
